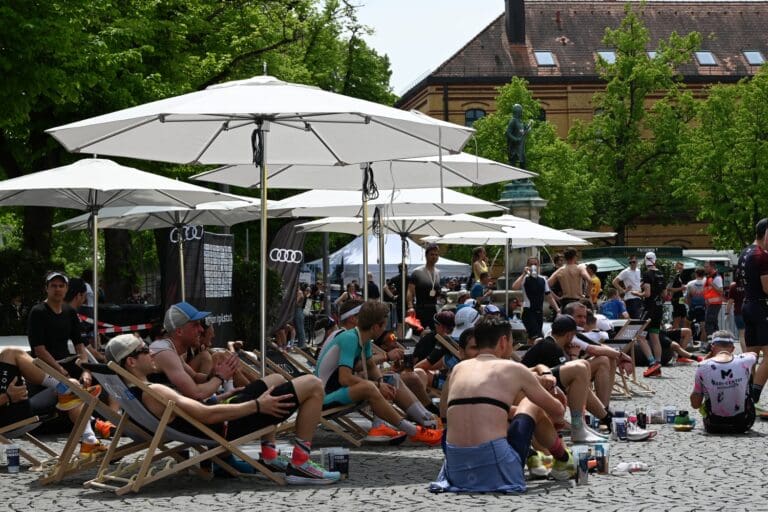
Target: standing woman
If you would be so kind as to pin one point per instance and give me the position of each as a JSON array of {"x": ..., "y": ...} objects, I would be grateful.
[
  {"x": 298, "y": 315},
  {"x": 479, "y": 263}
]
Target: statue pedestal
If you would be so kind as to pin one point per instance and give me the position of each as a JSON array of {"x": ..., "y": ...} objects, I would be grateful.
[{"x": 523, "y": 200}]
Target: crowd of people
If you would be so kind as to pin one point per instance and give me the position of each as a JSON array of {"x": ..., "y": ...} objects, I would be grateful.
[{"x": 463, "y": 386}]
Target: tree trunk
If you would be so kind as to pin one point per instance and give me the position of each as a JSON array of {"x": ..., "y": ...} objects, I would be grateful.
[
  {"x": 37, "y": 230},
  {"x": 119, "y": 273}
]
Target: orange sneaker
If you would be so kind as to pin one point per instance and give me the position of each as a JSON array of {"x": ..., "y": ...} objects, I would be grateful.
[
  {"x": 385, "y": 434},
  {"x": 104, "y": 428},
  {"x": 88, "y": 450},
  {"x": 428, "y": 436},
  {"x": 68, "y": 401}
]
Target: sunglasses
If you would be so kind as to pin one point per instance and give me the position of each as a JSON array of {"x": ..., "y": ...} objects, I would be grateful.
[{"x": 136, "y": 353}]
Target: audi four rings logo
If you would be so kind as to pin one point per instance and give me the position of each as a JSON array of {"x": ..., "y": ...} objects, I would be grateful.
[
  {"x": 286, "y": 255},
  {"x": 187, "y": 233}
]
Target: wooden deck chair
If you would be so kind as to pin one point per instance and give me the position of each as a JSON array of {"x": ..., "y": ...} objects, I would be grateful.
[
  {"x": 134, "y": 476},
  {"x": 67, "y": 463},
  {"x": 336, "y": 418},
  {"x": 22, "y": 430},
  {"x": 625, "y": 340}
]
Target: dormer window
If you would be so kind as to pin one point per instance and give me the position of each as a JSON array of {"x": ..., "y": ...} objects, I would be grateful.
[
  {"x": 754, "y": 58},
  {"x": 608, "y": 56}
]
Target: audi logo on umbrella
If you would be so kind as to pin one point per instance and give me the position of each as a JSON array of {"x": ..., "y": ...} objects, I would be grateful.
[
  {"x": 187, "y": 233},
  {"x": 286, "y": 256}
]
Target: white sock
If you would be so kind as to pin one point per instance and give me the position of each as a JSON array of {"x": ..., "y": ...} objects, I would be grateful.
[
  {"x": 50, "y": 382},
  {"x": 228, "y": 385},
  {"x": 407, "y": 427},
  {"x": 418, "y": 413},
  {"x": 88, "y": 435},
  {"x": 377, "y": 422}
]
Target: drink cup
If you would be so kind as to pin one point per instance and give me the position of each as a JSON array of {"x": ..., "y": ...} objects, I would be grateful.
[
  {"x": 337, "y": 459},
  {"x": 12, "y": 457},
  {"x": 669, "y": 414},
  {"x": 621, "y": 428}
]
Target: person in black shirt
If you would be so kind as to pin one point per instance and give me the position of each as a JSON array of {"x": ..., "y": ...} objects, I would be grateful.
[
  {"x": 677, "y": 287},
  {"x": 427, "y": 344},
  {"x": 373, "y": 289},
  {"x": 52, "y": 323},
  {"x": 424, "y": 288},
  {"x": 535, "y": 290},
  {"x": 394, "y": 286},
  {"x": 549, "y": 356},
  {"x": 652, "y": 290}
]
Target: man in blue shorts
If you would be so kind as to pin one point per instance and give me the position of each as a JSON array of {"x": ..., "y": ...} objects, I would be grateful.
[
  {"x": 484, "y": 450},
  {"x": 341, "y": 356}
]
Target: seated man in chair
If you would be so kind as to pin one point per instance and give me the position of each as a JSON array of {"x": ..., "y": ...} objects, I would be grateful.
[{"x": 252, "y": 408}]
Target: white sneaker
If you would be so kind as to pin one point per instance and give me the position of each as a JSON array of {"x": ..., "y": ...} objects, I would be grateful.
[{"x": 586, "y": 435}]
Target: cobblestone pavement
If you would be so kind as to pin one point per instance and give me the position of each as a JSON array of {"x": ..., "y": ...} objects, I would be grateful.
[{"x": 689, "y": 471}]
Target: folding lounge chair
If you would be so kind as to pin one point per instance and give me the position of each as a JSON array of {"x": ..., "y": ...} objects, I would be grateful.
[
  {"x": 66, "y": 463},
  {"x": 134, "y": 476},
  {"x": 332, "y": 418},
  {"x": 625, "y": 341},
  {"x": 22, "y": 430}
]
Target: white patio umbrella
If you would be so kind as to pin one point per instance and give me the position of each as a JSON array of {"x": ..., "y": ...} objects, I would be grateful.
[
  {"x": 92, "y": 184},
  {"x": 424, "y": 225},
  {"x": 237, "y": 122},
  {"x": 516, "y": 232},
  {"x": 139, "y": 218},
  {"x": 587, "y": 235},
  {"x": 390, "y": 203}
]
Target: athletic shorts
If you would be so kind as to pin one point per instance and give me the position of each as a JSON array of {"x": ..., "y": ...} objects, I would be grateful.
[
  {"x": 654, "y": 313},
  {"x": 679, "y": 310},
  {"x": 739, "y": 321},
  {"x": 755, "y": 323},
  {"x": 556, "y": 374},
  {"x": 697, "y": 313},
  {"x": 737, "y": 424},
  {"x": 253, "y": 422},
  {"x": 493, "y": 466},
  {"x": 337, "y": 397},
  {"x": 15, "y": 412},
  {"x": 533, "y": 322}
]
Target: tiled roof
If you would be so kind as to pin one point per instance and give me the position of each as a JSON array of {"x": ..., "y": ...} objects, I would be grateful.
[{"x": 573, "y": 31}]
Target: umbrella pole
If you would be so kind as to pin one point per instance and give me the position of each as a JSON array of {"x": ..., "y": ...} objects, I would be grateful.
[
  {"x": 382, "y": 275},
  {"x": 365, "y": 239},
  {"x": 506, "y": 278},
  {"x": 440, "y": 161},
  {"x": 403, "y": 286},
  {"x": 263, "y": 127},
  {"x": 182, "y": 277},
  {"x": 95, "y": 238}
]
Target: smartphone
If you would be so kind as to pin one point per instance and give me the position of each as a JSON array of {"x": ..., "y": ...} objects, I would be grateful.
[{"x": 389, "y": 379}]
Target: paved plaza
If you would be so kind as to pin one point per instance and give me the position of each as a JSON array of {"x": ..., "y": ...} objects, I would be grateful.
[{"x": 689, "y": 471}]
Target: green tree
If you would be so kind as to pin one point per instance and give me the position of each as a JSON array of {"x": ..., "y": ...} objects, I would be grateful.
[
  {"x": 64, "y": 61},
  {"x": 562, "y": 179},
  {"x": 725, "y": 160},
  {"x": 632, "y": 145}
]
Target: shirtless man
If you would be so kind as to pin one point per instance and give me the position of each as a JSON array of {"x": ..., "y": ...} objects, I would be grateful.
[
  {"x": 571, "y": 278},
  {"x": 484, "y": 451}
]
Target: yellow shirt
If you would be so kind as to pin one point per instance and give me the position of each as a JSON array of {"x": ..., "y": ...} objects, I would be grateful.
[{"x": 597, "y": 287}]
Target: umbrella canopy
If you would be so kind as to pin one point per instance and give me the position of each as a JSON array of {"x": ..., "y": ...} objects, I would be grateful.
[
  {"x": 606, "y": 264},
  {"x": 94, "y": 183},
  {"x": 424, "y": 225},
  {"x": 306, "y": 126},
  {"x": 461, "y": 170},
  {"x": 399, "y": 202},
  {"x": 580, "y": 233},
  {"x": 518, "y": 234}
]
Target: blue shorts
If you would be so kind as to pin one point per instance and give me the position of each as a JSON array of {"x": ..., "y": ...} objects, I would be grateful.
[
  {"x": 493, "y": 466},
  {"x": 337, "y": 397}
]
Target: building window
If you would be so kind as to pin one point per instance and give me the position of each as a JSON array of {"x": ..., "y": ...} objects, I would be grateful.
[
  {"x": 608, "y": 56},
  {"x": 706, "y": 59},
  {"x": 545, "y": 58},
  {"x": 472, "y": 115},
  {"x": 651, "y": 55},
  {"x": 754, "y": 58}
]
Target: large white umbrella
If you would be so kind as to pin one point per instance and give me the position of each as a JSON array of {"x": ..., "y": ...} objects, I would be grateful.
[
  {"x": 92, "y": 184},
  {"x": 461, "y": 170},
  {"x": 580, "y": 233},
  {"x": 263, "y": 120},
  {"x": 390, "y": 203},
  {"x": 516, "y": 232},
  {"x": 138, "y": 218},
  {"x": 424, "y": 225}
]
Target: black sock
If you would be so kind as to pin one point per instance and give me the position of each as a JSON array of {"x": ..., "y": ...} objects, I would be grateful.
[
  {"x": 607, "y": 420},
  {"x": 755, "y": 390},
  {"x": 431, "y": 407}
]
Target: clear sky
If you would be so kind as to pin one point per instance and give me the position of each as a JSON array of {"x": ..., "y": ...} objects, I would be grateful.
[{"x": 418, "y": 35}]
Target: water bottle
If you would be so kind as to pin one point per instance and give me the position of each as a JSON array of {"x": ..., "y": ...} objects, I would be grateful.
[{"x": 12, "y": 456}]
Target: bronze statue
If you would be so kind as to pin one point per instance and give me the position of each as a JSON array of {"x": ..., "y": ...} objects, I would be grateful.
[{"x": 516, "y": 133}]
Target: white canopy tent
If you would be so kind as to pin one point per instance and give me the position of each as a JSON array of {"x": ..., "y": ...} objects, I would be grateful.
[{"x": 351, "y": 256}]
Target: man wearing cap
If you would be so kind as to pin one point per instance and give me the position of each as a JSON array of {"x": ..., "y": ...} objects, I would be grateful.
[
  {"x": 424, "y": 288},
  {"x": 434, "y": 369},
  {"x": 652, "y": 290},
  {"x": 549, "y": 357},
  {"x": 427, "y": 344},
  {"x": 721, "y": 389},
  {"x": 51, "y": 324},
  {"x": 260, "y": 404},
  {"x": 628, "y": 281},
  {"x": 535, "y": 289}
]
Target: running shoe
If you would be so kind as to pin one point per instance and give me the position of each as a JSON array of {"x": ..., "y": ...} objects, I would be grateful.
[
  {"x": 563, "y": 470},
  {"x": 536, "y": 466},
  {"x": 277, "y": 465},
  {"x": 68, "y": 401},
  {"x": 310, "y": 473},
  {"x": 653, "y": 371},
  {"x": 428, "y": 436},
  {"x": 685, "y": 360},
  {"x": 104, "y": 428},
  {"x": 385, "y": 434},
  {"x": 90, "y": 450}
]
